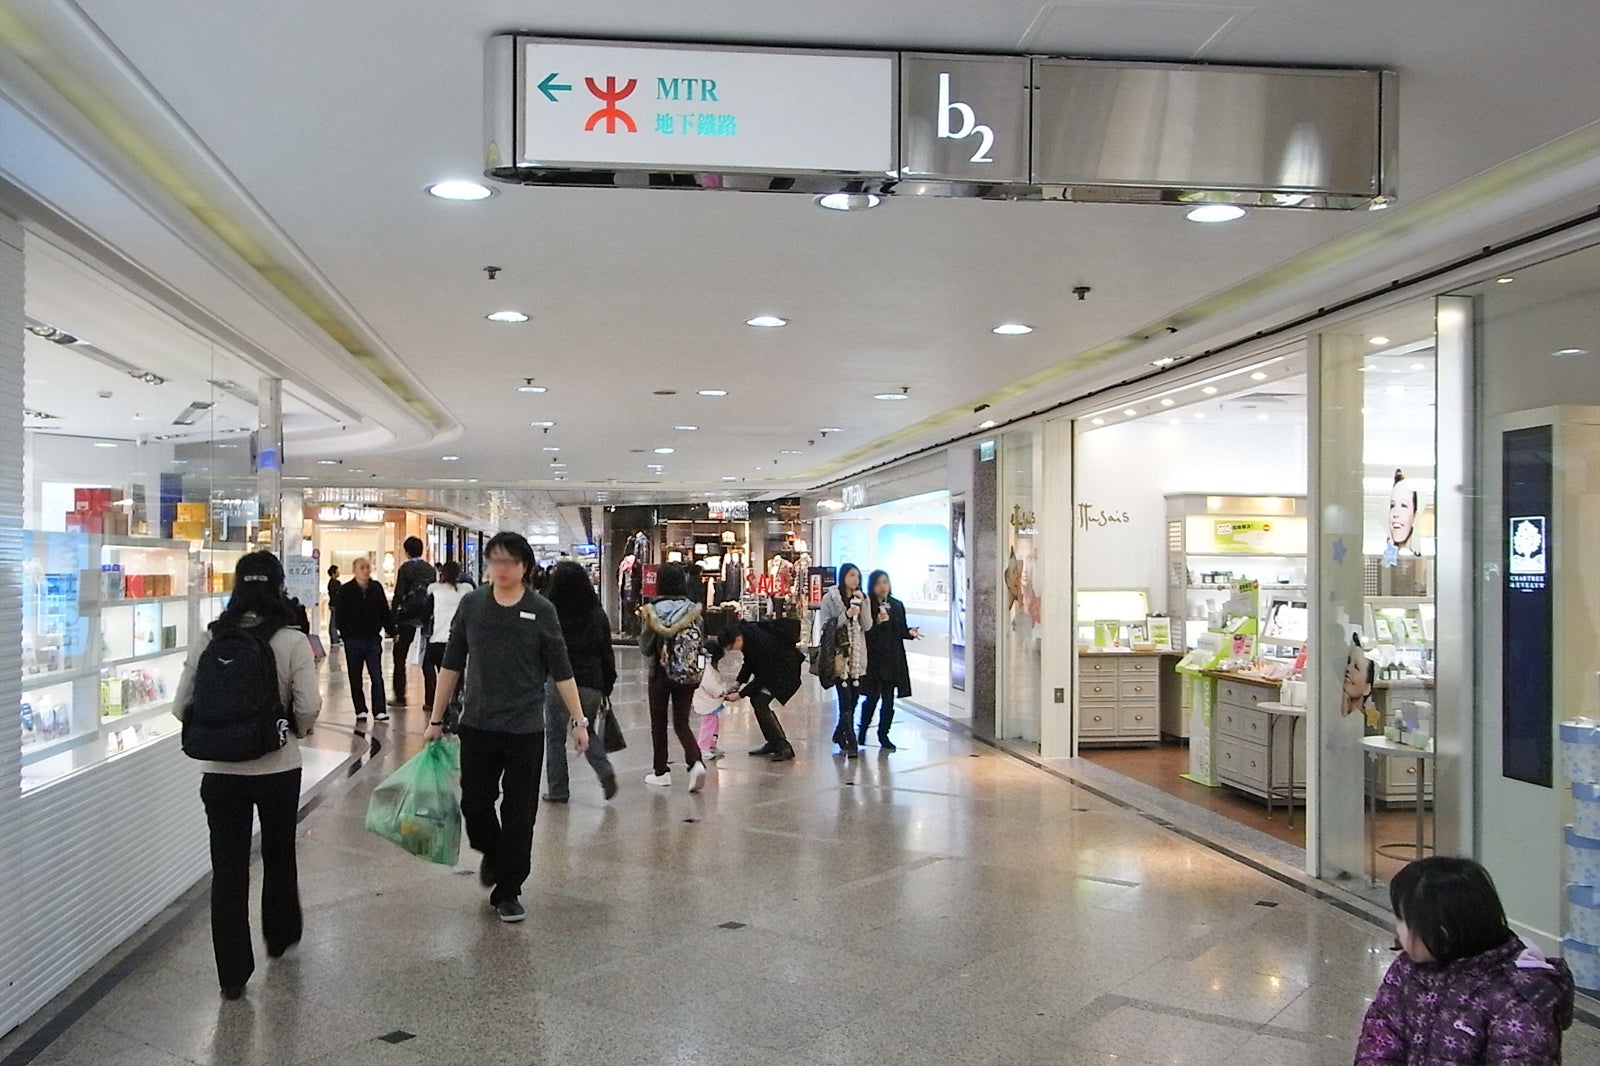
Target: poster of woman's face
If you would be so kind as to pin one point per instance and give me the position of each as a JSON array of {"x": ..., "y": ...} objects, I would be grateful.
[
  {"x": 1358, "y": 678},
  {"x": 1402, "y": 513}
]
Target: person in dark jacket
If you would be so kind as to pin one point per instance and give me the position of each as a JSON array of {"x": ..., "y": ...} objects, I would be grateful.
[
  {"x": 587, "y": 631},
  {"x": 771, "y": 672},
  {"x": 363, "y": 612},
  {"x": 411, "y": 584},
  {"x": 1465, "y": 990},
  {"x": 888, "y": 674},
  {"x": 333, "y": 600}
]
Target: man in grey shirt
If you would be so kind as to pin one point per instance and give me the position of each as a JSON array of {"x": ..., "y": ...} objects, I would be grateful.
[{"x": 514, "y": 640}]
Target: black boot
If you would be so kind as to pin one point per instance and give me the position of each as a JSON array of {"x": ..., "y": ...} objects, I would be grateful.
[{"x": 846, "y": 730}]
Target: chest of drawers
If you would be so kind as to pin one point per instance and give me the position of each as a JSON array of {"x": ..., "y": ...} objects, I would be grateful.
[{"x": 1120, "y": 697}]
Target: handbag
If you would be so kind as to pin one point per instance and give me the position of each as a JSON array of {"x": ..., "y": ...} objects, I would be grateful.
[{"x": 610, "y": 730}]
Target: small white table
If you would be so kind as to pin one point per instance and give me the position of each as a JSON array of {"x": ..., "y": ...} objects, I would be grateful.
[
  {"x": 1379, "y": 749},
  {"x": 1296, "y": 715}
]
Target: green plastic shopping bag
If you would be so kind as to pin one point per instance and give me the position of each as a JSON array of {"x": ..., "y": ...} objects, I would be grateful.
[{"x": 419, "y": 806}]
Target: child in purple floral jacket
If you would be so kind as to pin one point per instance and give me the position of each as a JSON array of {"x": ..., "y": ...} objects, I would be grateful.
[{"x": 1464, "y": 989}]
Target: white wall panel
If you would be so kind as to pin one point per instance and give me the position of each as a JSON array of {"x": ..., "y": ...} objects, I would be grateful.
[{"x": 87, "y": 860}]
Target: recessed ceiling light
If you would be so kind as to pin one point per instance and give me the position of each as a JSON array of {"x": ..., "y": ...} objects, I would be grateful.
[
  {"x": 357, "y": 470},
  {"x": 1504, "y": 281},
  {"x": 987, "y": 423},
  {"x": 1200, "y": 414},
  {"x": 1216, "y": 213},
  {"x": 327, "y": 462},
  {"x": 891, "y": 396},
  {"x": 542, "y": 425},
  {"x": 552, "y": 448},
  {"x": 557, "y": 463},
  {"x": 830, "y": 429},
  {"x": 767, "y": 322},
  {"x": 1012, "y": 329},
  {"x": 1210, "y": 390},
  {"x": 1380, "y": 341},
  {"x": 460, "y": 190},
  {"x": 1395, "y": 390},
  {"x": 712, "y": 392},
  {"x": 665, "y": 451},
  {"x": 1424, "y": 366},
  {"x": 1563, "y": 352},
  {"x": 849, "y": 201},
  {"x": 1261, "y": 418},
  {"x": 1098, "y": 421},
  {"x": 790, "y": 451},
  {"x": 686, "y": 429},
  {"x": 730, "y": 479},
  {"x": 449, "y": 458},
  {"x": 1168, "y": 401},
  {"x": 1166, "y": 360},
  {"x": 506, "y": 316},
  {"x": 105, "y": 444},
  {"x": 1379, "y": 203},
  {"x": 1259, "y": 375},
  {"x": 532, "y": 388},
  {"x": 1130, "y": 412}
]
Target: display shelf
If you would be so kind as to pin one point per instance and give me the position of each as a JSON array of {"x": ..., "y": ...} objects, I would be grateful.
[
  {"x": 35, "y": 682},
  {"x": 44, "y": 749},
  {"x": 130, "y": 601},
  {"x": 143, "y": 657},
  {"x": 137, "y": 715}
]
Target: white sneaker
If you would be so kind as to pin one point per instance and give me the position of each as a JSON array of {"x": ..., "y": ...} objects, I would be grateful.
[
  {"x": 661, "y": 780},
  {"x": 697, "y": 776}
]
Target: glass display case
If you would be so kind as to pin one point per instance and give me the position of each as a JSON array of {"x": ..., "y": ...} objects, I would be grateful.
[
  {"x": 106, "y": 623},
  {"x": 1214, "y": 542}
]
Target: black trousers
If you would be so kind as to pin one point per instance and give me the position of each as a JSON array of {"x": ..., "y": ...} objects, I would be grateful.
[
  {"x": 403, "y": 636},
  {"x": 432, "y": 659},
  {"x": 849, "y": 695},
  {"x": 504, "y": 768},
  {"x": 680, "y": 700},
  {"x": 876, "y": 695},
  {"x": 365, "y": 653},
  {"x": 767, "y": 719},
  {"x": 230, "y": 800}
]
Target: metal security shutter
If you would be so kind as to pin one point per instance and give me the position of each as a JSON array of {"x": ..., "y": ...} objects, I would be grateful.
[{"x": 87, "y": 860}]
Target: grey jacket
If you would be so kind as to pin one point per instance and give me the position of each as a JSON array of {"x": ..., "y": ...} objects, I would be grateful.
[{"x": 663, "y": 620}]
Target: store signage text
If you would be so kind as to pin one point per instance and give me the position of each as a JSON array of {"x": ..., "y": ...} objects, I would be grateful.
[
  {"x": 728, "y": 510},
  {"x": 1090, "y": 516},
  {"x": 853, "y": 496},
  {"x": 349, "y": 514},
  {"x": 970, "y": 126}
]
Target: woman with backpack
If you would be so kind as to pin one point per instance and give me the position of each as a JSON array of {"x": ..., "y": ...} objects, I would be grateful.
[
  {"x": 672, "y": 638},
  {"x": 845, "y": 622},
  {"x": 240, "y": 728},
  {"x": 587, "y": 631}
]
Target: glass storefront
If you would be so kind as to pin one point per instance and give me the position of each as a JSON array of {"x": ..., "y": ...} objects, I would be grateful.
[{"x": 1017, "y": 705}]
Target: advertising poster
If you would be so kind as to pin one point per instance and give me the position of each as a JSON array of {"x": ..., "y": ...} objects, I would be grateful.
[{"x": 958, "y": 595}]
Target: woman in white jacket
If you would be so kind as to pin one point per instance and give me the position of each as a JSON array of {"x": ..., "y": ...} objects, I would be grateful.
[
  {"x": 845, "y": 621},
  {"x": 233, "y": 792}
]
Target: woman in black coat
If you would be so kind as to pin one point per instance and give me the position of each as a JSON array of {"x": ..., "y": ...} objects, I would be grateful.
[{"x": 888, "y": 674}]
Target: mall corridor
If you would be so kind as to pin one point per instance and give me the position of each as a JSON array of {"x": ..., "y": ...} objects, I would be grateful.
[{"x": 947, "y": 904}]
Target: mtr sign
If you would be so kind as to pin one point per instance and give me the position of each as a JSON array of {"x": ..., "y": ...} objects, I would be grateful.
[{"x": 605, "y": 105}]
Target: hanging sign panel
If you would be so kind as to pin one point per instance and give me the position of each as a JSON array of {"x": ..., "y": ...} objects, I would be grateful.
[{"x": 704, "y": 109}]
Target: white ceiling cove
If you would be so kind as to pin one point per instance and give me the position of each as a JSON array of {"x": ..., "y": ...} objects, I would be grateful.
[{"x": 314, "y": 128}]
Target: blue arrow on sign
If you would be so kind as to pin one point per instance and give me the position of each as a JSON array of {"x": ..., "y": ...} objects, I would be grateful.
[{"x": 549, "y": 87}]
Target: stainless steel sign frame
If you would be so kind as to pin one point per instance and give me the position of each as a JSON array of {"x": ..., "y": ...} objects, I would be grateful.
[{"x": 992, "y": 127}]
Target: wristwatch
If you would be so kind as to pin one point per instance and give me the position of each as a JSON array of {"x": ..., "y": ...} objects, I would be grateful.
[{"x": 580, "y": 723}]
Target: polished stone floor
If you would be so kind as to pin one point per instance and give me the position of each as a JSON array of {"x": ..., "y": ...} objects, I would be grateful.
[{"x": 948, "y": 904}]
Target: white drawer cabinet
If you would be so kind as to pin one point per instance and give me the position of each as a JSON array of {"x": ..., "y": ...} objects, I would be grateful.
[
  {"x": 1241, "y": 755},
  {"x": 1120, "y": 697}
]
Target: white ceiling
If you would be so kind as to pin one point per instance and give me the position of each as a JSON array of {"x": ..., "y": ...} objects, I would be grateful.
[{"x": 315, "y": 126}]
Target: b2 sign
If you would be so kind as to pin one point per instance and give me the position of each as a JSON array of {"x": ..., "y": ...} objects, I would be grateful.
[
  {"x": 964, "y": 118},
  {"x": 630, "y": 106}
]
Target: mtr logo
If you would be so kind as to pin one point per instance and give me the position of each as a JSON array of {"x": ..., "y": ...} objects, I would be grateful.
[{"x": 611, "y": 95}]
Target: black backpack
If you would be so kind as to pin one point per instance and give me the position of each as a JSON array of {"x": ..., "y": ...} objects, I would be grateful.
[
  {"x": 413, "y": 610},
  {"x": 236, "y": 713}
]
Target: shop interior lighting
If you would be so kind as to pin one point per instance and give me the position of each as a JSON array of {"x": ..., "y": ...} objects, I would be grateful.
[
  {"x": 542, "y": 425},
  {"x": 1424, "y": 366},
  {"x": 506, "y": 316},
  {"x": 729, "y": 478},
  {"x": 685, "y": 429},
  {"x": 830, "y": 429},
  {"x": 891, "y": 396},
  {"x": 987, "y": 423},
  {"x": 1504, "y": 281},
  {"x": 460, "y": 191},
  {"x": 1379, "y": 203},
  {"x": 1378, "y": 341},
  {"x": 1216, "y": 213},
  {"x": 1562, "y": 353},
  {"x": 552, "y": 448},
  {"x": 1167, "y": 401},
  {"x": 665, "y": 451},
  {"x": 1130, "y": 412},
  {"x": 767, "y": 322},
  {"x": 449, "y": 458},
  {"x": 1164, "y": 361},
  {"x": 530, "y": 387},
  {"x": 1098, "y": 421},
  {"x": 329, "y": 462},
  {"x": 191, "y": 414},
  {"x": 1263, "y": 418},
  {"x": 849, "y": 201},
  {"x": 68, "y": 340},
  {"x": 1259, "y": 375},
  {"x": 712, "y": 392},
  {"x": 1200, "y": 415},
  {"x": 790, "y": 451},
  {"x": 1395, "y": 390},
  {"x": 105, "y": 444},
  {"x": 1012, "y": 329},
  {"x": 1210, "y": 390}
]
